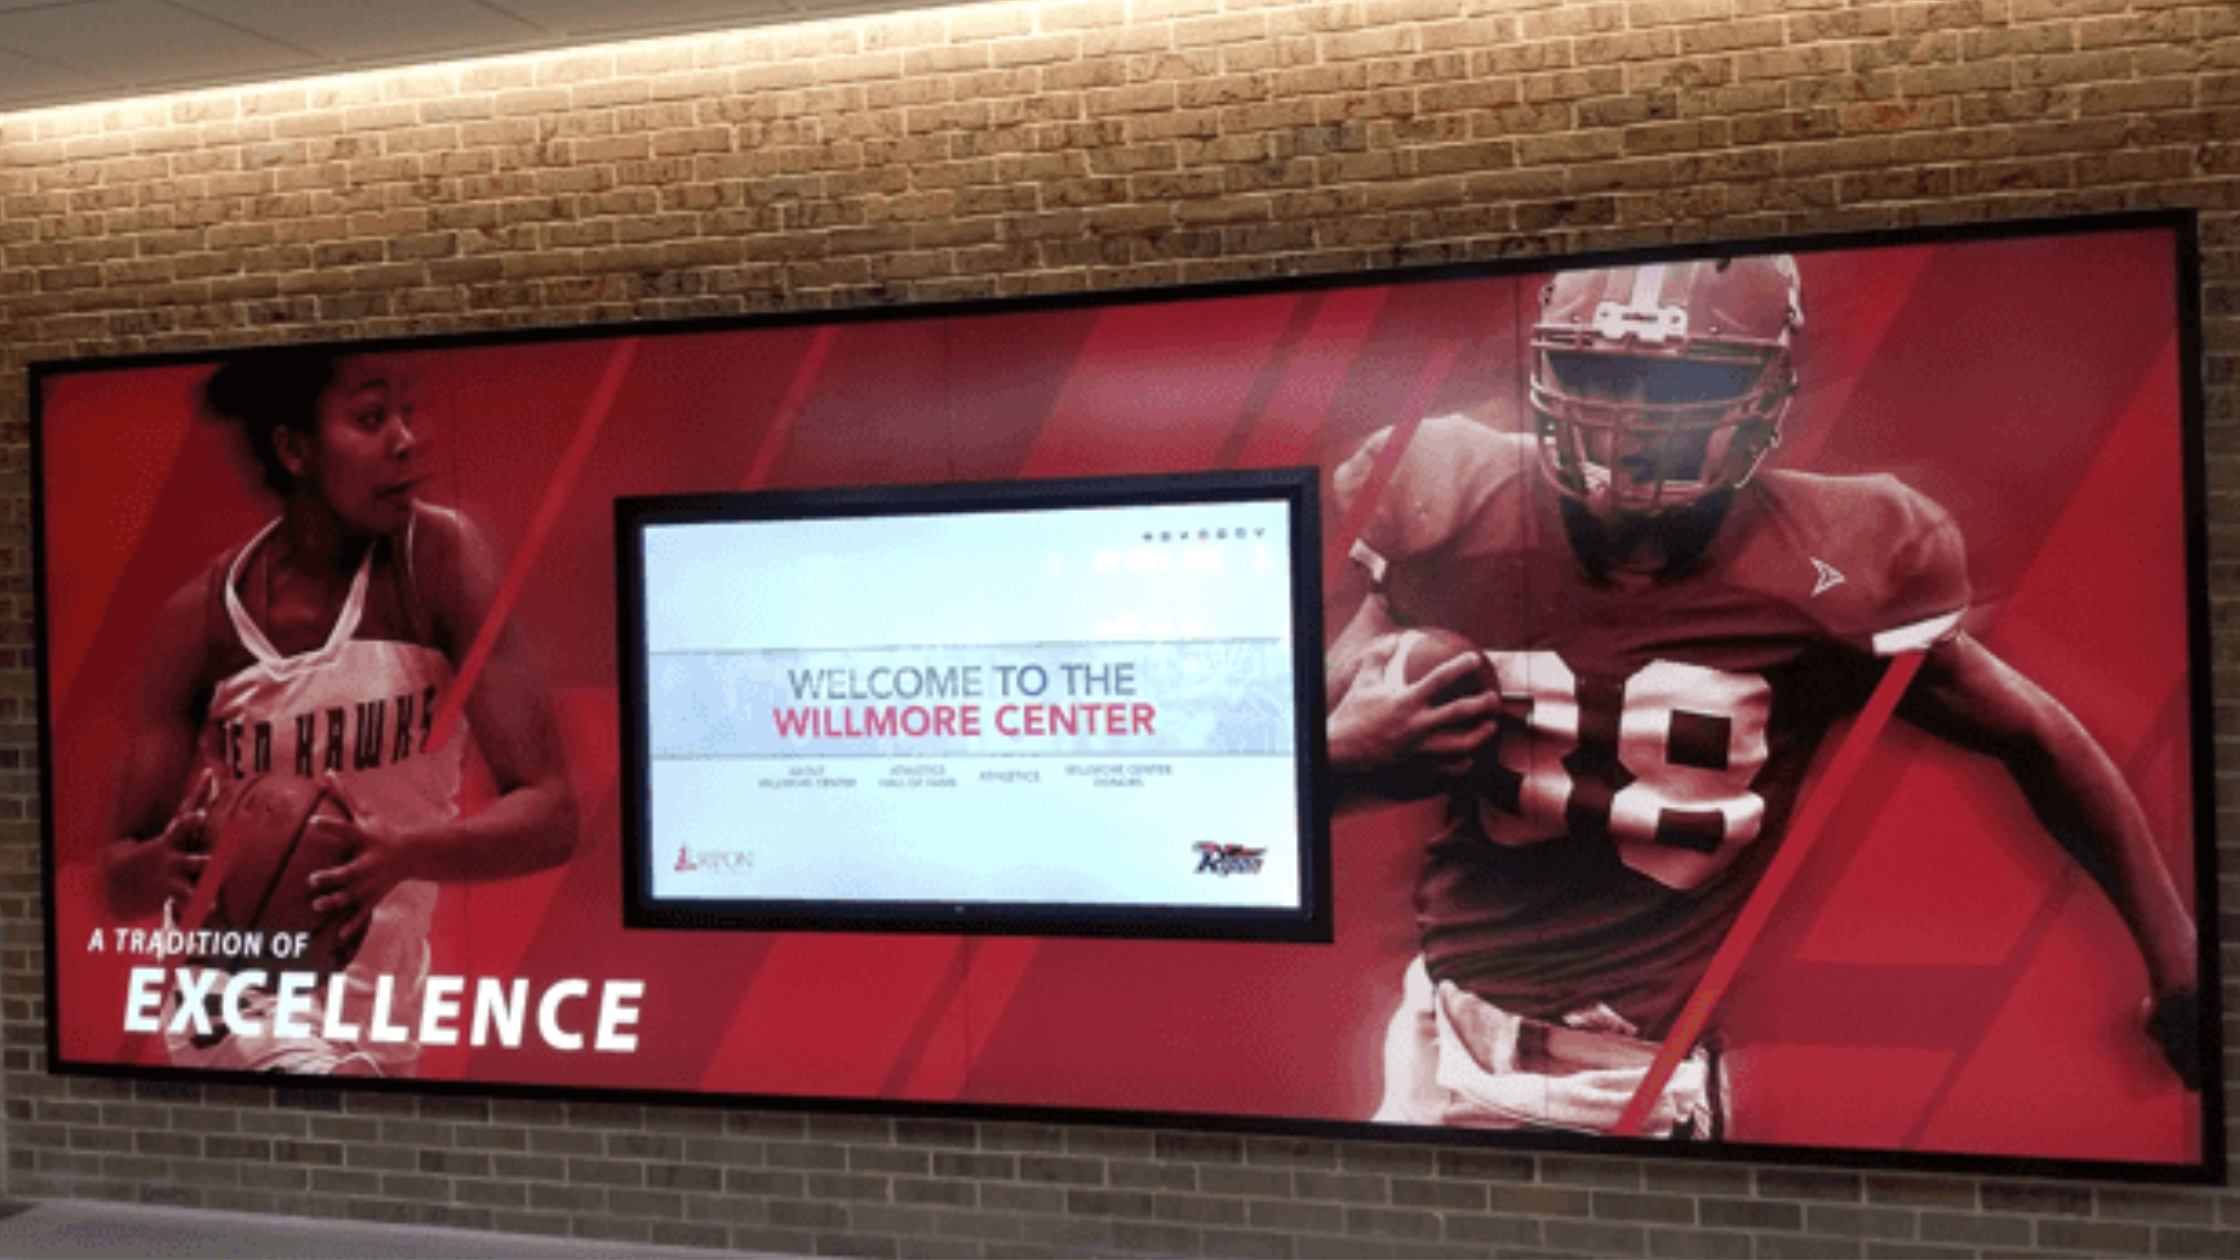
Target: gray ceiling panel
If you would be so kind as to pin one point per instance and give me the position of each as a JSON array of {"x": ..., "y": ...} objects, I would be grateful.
[
  {"x": 351, "y": 34},
  {"x": 145, "y": 44},
  {"x": 62, "y": 52},
  {"x": 608, "y": 18},
  {"x": 24, "y": 79}
]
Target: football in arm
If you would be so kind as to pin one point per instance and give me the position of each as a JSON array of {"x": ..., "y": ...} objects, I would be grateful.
[{"x": 1424, "y": 650}]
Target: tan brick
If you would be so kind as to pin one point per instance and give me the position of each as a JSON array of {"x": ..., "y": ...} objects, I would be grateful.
[
  {"x": 338, "y": 95},
  {"x": 601, "y": 94},
  {"x": 1476, "y": 31},
  {"x": 1729, "y": 37},
  {"x": 946, "y": 59},
  {"x": 1467, "y": 159},
  {"x": 1569, "y": 147},
  {"x": 2011, "y": 176},
  {"x": 205, "y": 107},
  {"x": 1896, "y": 116},
  {"x": 692, "y": 140},
  {"x": 496, "y": 76},
  {"x": 1802, "y": 159},
  {"x": 668, "y": 115},
  {"x": 2136, "y": 166},
  {"x": 1964, "y": 145},
  {"x": 573, "y": 68},
  {"x": 2027, "y": 105},
  {"x": 816, "y": 41},
  {"x": 135, "y": 116},
  {"x": 2048, "y": 10},
  {"x": 1970, "y": 77},
  {"x": 519, "y": 102},
  {"x": 379, "y": 117},
  {"x": 1123, "y": 41},
  {"x": 167, "y": 140},
  {"x": 2136, "y": 97},
  {"x": 2082, "y": 67},
  {"x": 1632, "y": 174},
  {"x": 698, "y": 86},
  {"x": 1375, "y": 42},
  {"x": 1564, "y": 21},
  {"x": 423, "y": 139},
  {"x": 1643, "y": 13}
]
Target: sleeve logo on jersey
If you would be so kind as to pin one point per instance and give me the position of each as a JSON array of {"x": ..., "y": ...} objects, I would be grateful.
[{"x": 1228, "y": 859}]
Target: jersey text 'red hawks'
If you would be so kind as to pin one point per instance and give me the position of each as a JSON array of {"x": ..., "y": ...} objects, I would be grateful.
[
  {"x": 358, "y": 735},
  {"x": 1654, "y": 732}
]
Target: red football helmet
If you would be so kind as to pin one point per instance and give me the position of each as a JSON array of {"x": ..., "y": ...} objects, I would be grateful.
[{"x": 1654, "y": 386}]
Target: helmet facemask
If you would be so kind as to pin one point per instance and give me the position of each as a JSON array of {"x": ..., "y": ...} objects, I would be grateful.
[{"x": 1649, "y": 405}]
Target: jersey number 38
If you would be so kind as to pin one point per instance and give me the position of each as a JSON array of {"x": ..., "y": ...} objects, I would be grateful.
[{"x": 1661, "y": 762}]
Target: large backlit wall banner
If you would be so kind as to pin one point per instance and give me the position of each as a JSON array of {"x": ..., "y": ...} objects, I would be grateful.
[{"x": 1747, "y": 702}]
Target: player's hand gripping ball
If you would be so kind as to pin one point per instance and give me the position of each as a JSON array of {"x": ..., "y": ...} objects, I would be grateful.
[
  {"x": 263, "y": 850},
  {"x": 1448, "y": 745},
  {"x": 1422, "y": 651}
]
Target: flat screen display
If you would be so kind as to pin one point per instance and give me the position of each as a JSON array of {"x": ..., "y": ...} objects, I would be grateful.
[{"x": 1055, "y": 707}]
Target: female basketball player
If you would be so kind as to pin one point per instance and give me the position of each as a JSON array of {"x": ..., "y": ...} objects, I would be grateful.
[{"x": 326, "y": 646}]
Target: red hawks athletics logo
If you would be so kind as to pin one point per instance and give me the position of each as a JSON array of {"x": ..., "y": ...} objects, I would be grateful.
[{"x": 1228, "y": 859}]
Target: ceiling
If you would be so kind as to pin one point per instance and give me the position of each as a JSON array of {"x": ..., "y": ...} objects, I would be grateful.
[{"x": 63, "y": 52}]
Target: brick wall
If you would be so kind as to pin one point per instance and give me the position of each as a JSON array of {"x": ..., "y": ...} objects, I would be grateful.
[{"x": 1009, "y": 149}]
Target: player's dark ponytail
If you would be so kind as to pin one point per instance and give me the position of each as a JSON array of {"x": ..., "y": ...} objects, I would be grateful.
[{"x": 264, "y": 390}]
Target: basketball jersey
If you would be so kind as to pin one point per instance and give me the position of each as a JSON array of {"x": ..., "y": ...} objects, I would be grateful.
[
  {"x": 1654, "y": 734},
  {"x": 360, "y": 709}
]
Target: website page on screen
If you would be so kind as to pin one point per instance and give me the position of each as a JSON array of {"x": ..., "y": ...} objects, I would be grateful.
[{"x": 1084, "y": 707}]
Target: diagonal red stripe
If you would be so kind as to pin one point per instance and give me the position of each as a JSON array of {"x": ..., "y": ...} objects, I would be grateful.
[
  {"x": 1759, "y": 908},
  {"x": 1287, "y": 428},
  {"x": 2024, "y": 952},
  {"x": 532, "y": 546},
  {"x": 1387, "y": 463},
  {"x": 781, "y": 425}
]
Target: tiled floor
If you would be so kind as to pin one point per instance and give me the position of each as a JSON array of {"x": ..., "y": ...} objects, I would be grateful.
[{"x": 59, "y": 1229}]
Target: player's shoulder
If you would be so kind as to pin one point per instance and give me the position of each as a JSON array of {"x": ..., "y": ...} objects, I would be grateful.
[
  {"x": 437, "y": 533},
  {"x": 422, "y": 570},
  {"x": 449, "y": 573},
  {"x": 1454, "y": 476},
  {"x": 194, "y": 631},
  {"x": 1870, "y": 556},
  {"x": 1873, "y": 510},
  {"x": 1450, "y": 443},
  {"x": 443, "y": 546}
]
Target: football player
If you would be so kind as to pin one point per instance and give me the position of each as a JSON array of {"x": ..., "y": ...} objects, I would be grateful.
[{"x": 1669, "y": 630}]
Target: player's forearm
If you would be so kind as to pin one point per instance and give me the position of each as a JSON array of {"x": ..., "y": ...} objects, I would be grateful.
[
  {"x": 529, "y": 829},
  {"x": 2085, "y": 803}
]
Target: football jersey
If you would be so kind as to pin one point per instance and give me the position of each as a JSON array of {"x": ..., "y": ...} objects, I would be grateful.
[
  {"x": 361, "y": 709},
  {"x": 1654, "y": 731}
]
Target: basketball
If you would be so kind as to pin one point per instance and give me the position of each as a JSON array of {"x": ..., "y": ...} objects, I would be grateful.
[
  {"x": 263, "y": 852},
  {"x": 1424, "y": 650}
]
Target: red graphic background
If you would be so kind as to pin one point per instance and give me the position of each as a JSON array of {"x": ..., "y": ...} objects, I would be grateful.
[{"x": 1940, "y": 978}]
